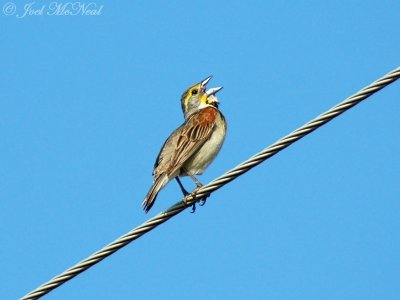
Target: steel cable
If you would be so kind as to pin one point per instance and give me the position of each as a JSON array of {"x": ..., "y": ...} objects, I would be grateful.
[{"x": 214, "y": 185}]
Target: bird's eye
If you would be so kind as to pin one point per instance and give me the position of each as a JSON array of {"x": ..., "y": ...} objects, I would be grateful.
[{"x": 194, "y": 92}]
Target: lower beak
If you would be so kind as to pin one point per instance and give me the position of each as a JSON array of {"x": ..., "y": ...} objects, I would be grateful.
[{"x": 213, "y": 91}]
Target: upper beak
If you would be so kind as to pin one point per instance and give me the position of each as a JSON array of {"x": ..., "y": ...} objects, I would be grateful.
[
  {"x": 205, "y": 81},
  {"x": 211, "y": 91}
]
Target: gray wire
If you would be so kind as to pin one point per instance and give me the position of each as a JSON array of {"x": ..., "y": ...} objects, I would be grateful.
[{"x": 214, "y": 185}]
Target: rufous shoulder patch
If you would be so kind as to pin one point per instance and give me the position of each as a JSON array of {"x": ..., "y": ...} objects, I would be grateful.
[{"x": 207, "y": 115}]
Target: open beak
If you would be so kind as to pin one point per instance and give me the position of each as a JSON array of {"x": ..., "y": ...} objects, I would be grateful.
[{"x": 211, "y": 91}]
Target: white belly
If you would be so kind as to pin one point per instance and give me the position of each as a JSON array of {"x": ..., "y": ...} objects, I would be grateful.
[{"x": 206, "y": 154}]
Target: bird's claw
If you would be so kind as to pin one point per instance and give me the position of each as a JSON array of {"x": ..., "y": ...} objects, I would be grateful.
[{"x": 201, "y": 201}]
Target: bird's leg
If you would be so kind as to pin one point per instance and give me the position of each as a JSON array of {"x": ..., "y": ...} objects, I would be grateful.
[
  {"x": 185, "y": 193},
  {"x": 196, "y": 181},
  {"x": 199, "y": 185}
]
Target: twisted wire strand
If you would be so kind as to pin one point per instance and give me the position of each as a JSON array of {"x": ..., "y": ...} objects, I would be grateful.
[{"x": 214, "y": 185}]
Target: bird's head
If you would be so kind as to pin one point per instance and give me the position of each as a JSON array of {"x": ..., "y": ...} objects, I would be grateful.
[{"x": 197, "y": 97}]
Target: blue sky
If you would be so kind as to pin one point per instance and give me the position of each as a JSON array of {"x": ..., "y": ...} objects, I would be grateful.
[{"x": 87, "y": 101}]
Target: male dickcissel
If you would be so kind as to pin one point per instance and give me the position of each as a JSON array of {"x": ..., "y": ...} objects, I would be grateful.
[{"x": 190, "y": 149}]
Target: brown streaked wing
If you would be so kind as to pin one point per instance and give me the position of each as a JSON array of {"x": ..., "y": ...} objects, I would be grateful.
[{"x": 192, "y": 135}]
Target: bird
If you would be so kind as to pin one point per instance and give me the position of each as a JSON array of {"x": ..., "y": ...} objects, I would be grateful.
[{"x": 191, "y": 148}]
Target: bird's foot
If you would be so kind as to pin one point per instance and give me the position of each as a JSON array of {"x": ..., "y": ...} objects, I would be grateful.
[
  {"x": 193, "y": 205},
  {"x": 201, "y": 201},
  {"x": 195, "y": 200}
]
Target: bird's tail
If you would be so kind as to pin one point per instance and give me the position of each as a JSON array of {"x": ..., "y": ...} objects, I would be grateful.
[{"x": 151, "y": 196}]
